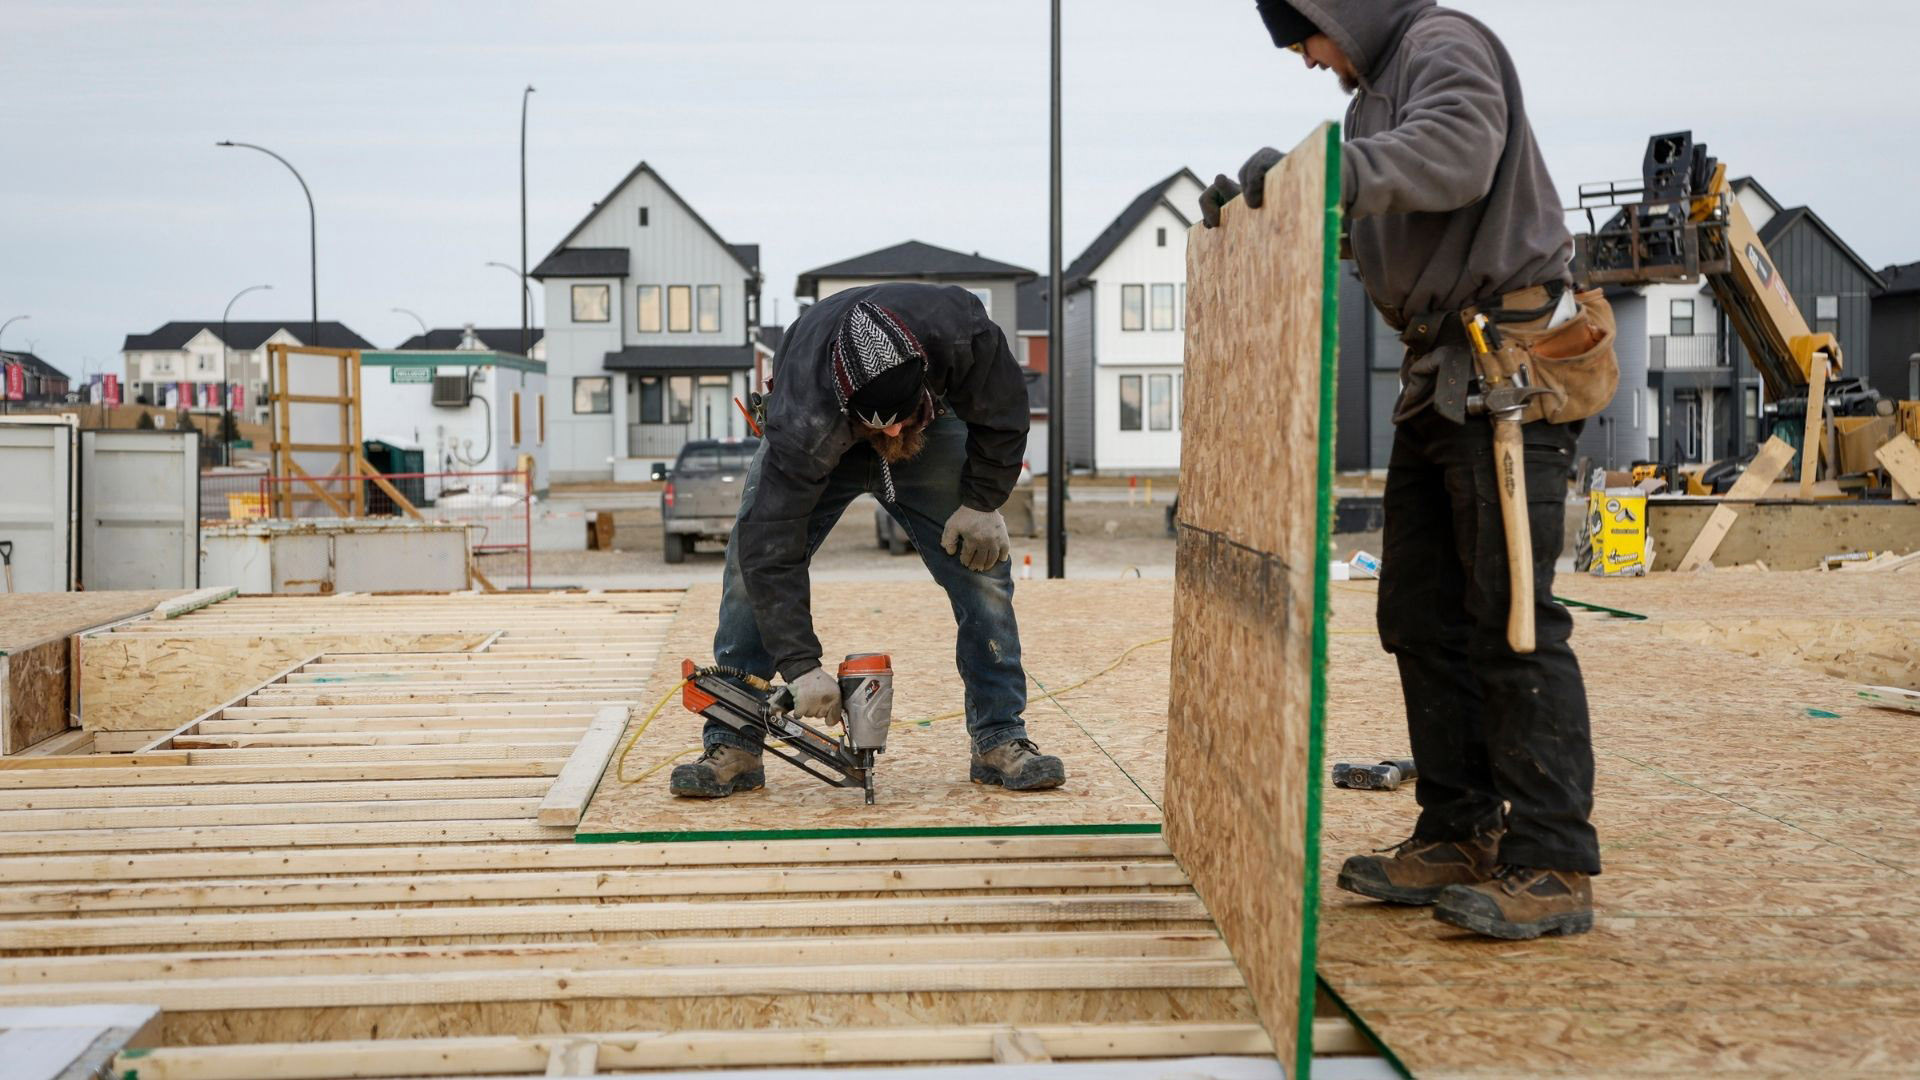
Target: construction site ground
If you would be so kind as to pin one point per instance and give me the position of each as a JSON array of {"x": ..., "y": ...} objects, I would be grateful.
[{"x": 344, "y": 871}]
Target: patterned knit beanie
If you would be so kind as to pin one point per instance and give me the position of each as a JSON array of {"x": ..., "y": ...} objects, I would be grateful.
[{"x": 878, "y": 366}]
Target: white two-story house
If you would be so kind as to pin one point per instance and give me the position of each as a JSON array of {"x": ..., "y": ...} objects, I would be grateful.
[
  {"x": 185, "y": 364},
  {"x": 1124, "y": 335},
  {"x": 650, "y": 332}
]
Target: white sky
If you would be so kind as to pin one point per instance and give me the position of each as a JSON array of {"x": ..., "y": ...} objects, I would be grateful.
[{"x": 818, "y": 130}]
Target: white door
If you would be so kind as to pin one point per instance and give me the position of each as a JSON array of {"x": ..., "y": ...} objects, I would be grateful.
[
  {"x": 140, "y": 509},
  {"x": 36, "y": 507},
  {"x": 710, "y": 407}
]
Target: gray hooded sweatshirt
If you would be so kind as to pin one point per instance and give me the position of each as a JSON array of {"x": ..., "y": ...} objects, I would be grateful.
[{"x": 1447, "y": 197}]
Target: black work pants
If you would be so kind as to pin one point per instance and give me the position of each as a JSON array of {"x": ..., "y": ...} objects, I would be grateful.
[{"x": 1488, "y": 725}]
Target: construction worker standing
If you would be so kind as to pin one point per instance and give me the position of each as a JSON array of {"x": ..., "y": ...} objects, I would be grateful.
[{"x": 1451, "y": 210}]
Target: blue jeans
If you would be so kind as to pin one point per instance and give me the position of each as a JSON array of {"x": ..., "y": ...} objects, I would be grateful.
[{"x": 928, "y": 492}]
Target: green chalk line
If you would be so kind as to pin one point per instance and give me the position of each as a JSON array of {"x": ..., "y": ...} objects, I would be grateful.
[{"x": 1615, "y": 612}]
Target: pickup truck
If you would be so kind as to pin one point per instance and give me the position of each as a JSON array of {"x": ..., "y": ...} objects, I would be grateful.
[{"x": 702, "y": 493}]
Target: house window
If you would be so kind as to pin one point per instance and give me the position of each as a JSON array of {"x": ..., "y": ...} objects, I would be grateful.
[
  {"x": 985, "y": 296},
  {"x": 679, "y": 308},
  {"x": 590, "y": 303},
  {"x": 1160, "y": 402},
  {"x": 643, "y": 217},
  {"x": 1133, "y": 307},
  {"x": 646, "y": 312},
  {"x": 1160, "y": 237},
  {"x": 1750, "y": 415},
  {"x": 652, "y": 400},
  {"x": 1180, "y": 313},
  {"x": 1130, "y": 402},
  {"x": 1826, "y": 314},
  {"x": 1179, "y": 396},
  {"x": 680, "y": 398},
  {"x": 516, "y": 418},
  {"x": 1681, "y": 318},
  {"x": 1163, "y": 307},
  {"x": 709, "y": 310},
  {"x": 593, "y": 394}
]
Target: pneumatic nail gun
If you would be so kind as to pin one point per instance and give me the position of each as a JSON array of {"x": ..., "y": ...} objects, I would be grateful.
[{"x": 765, "y": 714}]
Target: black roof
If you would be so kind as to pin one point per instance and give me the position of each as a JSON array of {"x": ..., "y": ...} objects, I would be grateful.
[
  {"x": 1902, "y": 279},
  {"x": 501, "y": 339},
  {"x": 32, "y": 363},
  {"x": 912, "y": 259},
  {"x": 1121, "y": 227},
  {"x": 770, "y": 336},
  {"x": 1787, "y": 219},
  {"x": 582, "y": 262},
  {"x": 747, "y": 255},
  {"x": 681, "y": 358},
  {"x": 246, "y": 335}
]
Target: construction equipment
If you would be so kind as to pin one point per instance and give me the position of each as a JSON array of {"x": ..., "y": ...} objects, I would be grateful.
[
  {"x": 1682, "y": 224},
  {"x": 1503, "y": 400},
  {"x": 1386, "y": 776},
  {"x": 763, "y": 714}
]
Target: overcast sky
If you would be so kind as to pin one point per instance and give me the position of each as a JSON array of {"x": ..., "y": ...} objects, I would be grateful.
[{"x": 818, "y": 130}]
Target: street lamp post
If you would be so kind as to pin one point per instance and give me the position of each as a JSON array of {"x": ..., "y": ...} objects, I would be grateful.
[
  {"x": 313, "y": 236},
  {"x": 416, "y": 318},
  {"x": 526, "y": 302},
  {"x": 226, "y": 388}
]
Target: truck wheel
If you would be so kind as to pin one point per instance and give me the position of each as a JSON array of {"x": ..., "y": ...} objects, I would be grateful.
[
  {"x": 675, "y": 548},
  {"x": 897, "y": 543}
]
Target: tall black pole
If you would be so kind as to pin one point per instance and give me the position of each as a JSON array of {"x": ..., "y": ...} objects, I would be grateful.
[
  {"x": 313, "y": 241},
  {"x": 526, "y": 300},
  {"x": 1056, "y": 361}
]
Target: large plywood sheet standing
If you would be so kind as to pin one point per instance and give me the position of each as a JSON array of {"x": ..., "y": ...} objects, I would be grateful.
[{"x": 1248, "y": 690}]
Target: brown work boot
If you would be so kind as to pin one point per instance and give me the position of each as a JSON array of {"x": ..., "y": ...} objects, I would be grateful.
[
  {"x": 1018, "y": 766},
  {"x": 1520, "y": 902},
  {"x": 718, "y": 773},
  {"x": 1418, "y": 869}
]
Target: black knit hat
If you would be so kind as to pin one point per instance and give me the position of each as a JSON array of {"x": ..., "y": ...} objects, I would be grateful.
[
  {"x": 878, "y": 366},
  {"x": 1285, "y": 23}
]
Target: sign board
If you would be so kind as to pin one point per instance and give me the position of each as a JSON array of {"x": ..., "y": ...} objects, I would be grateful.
[
  {"x": 111, "y": 389},
  {"x": 412, "y": 374},
  {"x": 16, "y": 382}
]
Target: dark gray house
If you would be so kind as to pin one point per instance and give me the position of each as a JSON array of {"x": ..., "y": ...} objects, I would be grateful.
[
  {"x": 996, "y": 283},
  {"x": 1893, "y": 367}
]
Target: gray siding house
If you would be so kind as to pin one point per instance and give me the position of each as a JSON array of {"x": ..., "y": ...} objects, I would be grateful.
[
  {"x": 1893, "y": 367},
  {"x": 994, "y": 282},
  {"x": 650, "y": 332}
]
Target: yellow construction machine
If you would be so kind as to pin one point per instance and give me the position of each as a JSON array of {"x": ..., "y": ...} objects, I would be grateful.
[{"x": 1682, "y": 224}]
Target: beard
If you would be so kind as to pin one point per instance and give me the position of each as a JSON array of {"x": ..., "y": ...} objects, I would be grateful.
[
  {"x": 894, "y": 449},
  {"x": 1350, "y": 85}
]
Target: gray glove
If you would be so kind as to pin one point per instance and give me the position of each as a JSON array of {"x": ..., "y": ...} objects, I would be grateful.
[
  {"x": 816, "y": 694},
  {"x": 980, "y": 536},
  {"x": 1218, "y": 194},
  {"x": 1253, "y": 175}
]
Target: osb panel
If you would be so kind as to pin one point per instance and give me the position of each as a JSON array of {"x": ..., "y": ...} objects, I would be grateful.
[
  {"x": 135, "y": 682},
  {"x": 30, "y": 618},
  {"x": 746, "y": 1012},
  {"x": 1105, "y": 731},
  {"x": 1785, "y": 536},
  {"x": 1736, "y": 593},
  {"x": 1240, "y": 741},
  {"x": 1762, "y": 862},
  {"x": 33, "y": 705}
]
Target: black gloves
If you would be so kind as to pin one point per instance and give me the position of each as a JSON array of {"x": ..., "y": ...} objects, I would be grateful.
[
  {"x": 1218, "y": 194},
  {"x": 1253, "y": 181},
  {"x": 1253, "y": 175}
]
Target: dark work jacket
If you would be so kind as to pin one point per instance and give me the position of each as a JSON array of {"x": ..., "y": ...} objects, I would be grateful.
[
  {"x": 969, "y": 369},
  {"x": 1445, "y": 188}
]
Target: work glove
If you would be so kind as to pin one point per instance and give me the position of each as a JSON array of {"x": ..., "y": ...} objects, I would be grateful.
[
  {"x": 1218, "y": 194},
  {"x": 980, "y": 537},
  {"x": 1253, "y": 175},
  {"x": 816, "y": 694}
]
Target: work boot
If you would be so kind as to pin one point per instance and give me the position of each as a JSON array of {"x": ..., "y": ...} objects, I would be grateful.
[
  {"x": 1018, "y": 766},
  {"x": 1520, "y": 902},
  {"x": 1418, "y": 869},
  {"x": 718, "y": 773}
]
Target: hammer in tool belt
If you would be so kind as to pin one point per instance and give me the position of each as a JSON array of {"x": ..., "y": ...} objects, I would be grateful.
[{"x": 1503, "y": 399}]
